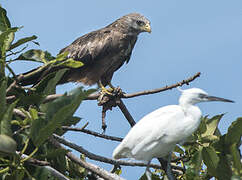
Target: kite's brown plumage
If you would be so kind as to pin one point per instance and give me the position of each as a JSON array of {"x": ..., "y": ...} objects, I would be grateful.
[{"x": 103, "y": 51}]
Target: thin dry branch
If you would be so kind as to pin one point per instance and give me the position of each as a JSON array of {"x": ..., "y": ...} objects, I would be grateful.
[
  {"x": 126, "y": 113},
  {"x": 34, "y": 161},
  {"x": 94, "y": 96},
  {"x": 181, "y": 83},
  {"x": 19, "y": 113},
  {"x": 45, "y": 165},
  {"x": 91, "y": 167},
  {"x": 14, "y": 83},
  {"x": 112, "y": 138}
]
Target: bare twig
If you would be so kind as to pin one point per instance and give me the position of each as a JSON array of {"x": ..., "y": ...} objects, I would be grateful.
[
  {"x": 23, "y": 116},
  {"x": 21, "y": 129},
  {"x": 11, "y": 98},
  {"x": 14, "y": 53},
  {"x": 91, "y": 167},
  {"x": 186, "y": 81},
  {"x": 56, "y": 173},
  {"x": 126, "y": 113},
  {"x": 11, "y": 71},
  {"x": 52, "y": 97},
  {"x": 15, "y": 82},
  {"x": 95, "y": 96},
  {"x": 19, "y": 113},
  {"x": 34, "y": 161},
  {"x": 93, "y": 133},
  {"x": 45, "y": 165},
  {"x": 104, "y": 159}
]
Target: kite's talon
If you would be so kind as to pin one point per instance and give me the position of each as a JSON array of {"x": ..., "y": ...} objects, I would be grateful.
[{"x": 105, "y": 90}]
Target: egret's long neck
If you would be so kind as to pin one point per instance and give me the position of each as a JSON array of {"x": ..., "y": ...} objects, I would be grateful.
[
  {"x": 186, "y": 101},
  {"x": 192, "y": 111}
]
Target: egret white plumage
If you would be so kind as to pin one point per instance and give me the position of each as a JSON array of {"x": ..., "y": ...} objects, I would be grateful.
[{"x": 157, "y": 133}]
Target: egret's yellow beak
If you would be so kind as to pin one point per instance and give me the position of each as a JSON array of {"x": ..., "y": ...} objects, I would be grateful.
[{"x": 147, "y": 28}]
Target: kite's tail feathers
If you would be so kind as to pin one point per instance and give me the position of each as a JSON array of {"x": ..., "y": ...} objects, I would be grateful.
[
  {"x": 34, "y": 76},
  {"x": 31, "y": 79}
]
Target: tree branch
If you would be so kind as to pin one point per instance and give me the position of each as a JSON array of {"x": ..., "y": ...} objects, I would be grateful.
[
  {"x": 112, "y": 138},
  {"x": 181, "y": 83},
  {"x": 126, "y": 113},
  {"x": 45, "y": 165},
  {"x": 91, "y": 167},
  {"x": 95, "y": 96},
  {"x": 34, "y": 161}
]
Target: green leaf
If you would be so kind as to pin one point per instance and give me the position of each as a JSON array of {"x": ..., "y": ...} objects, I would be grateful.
[
  {"x": 234, "y": 132},
  {"x": 76, "y": 171},
  {"x": 194, "y": 165},
  {"x": 209, "y": 138},
  {"x": 33, "y": 113},
  {"x": 71, "y": 63},
  {"x": 202, "y": 127},
  {"x": 211, "y": 160},
  {"x": 30, "y": 99},
  {"x": 22, "y": 41},
  {"x": 53, "y": 153},
  {"x": 191, "y": 175},
  {"x": 5, "y": 123},
  {"x": 224, "y": 167},
  {"x": 196, "y": 161},
  {"x": 42, "y": 173},
  {"x": 178, "y": 149},
  {"x": 36, "y": 55},
  {"x": 236, "y": 158},
  {"x": 6, "y": 39},
  {"x": 217, "y": 163},
  {"x": 3, "y": 87},
  {"x": 71, "y": 121},
  {"x": 235, "y": 177},
  {"x": 118, "y": 172},
  {"x": 4, "y": 21},
  {"x": 62, "y": 56},
  {"x": 48, "y": 84},
  {"x": 7, "y": 144},
  {"x": 17, "y": 174},
  {"x": 212, "y": 125},
  {"x": 57, "y": 112},
  {"x": 220, "y": 145}
]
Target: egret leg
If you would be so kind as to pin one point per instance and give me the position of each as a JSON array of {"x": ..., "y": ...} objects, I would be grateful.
[
  {"x": 168, "y": 169},
  {"x": 103, "y": 89},
  {"x": 147, "y": 171}
]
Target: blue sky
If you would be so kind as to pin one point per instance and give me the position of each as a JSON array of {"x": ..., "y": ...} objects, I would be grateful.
[{"x": 187, "y": 36}]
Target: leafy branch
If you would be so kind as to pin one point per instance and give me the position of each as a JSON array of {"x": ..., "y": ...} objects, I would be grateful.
[{"x": 33, "y": 119}]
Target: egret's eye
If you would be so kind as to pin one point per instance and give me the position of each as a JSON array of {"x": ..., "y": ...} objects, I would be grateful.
[
  {"x": 140, "y": 23},
  {"x": 202, "y": 96}
]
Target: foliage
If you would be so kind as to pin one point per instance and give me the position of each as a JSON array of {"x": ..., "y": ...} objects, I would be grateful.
[
  {"x": 27, "y": 122},
  {"x": 29, "y": 134}
]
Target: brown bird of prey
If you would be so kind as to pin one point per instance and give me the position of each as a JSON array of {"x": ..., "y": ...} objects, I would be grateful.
[{"x": 103, "y": 51}]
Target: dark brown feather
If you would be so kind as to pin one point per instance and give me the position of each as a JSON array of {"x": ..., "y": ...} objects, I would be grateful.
[{"x": 103, "y": 51}]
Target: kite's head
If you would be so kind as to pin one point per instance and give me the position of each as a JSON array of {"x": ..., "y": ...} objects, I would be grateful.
[{"x": 136, "y": 22}]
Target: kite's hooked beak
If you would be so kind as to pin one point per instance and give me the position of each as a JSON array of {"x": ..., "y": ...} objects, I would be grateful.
[{"x": 147, "y": 28}]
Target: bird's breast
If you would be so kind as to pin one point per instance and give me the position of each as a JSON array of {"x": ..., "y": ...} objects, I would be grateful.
[{"x": 189, "y": 123}]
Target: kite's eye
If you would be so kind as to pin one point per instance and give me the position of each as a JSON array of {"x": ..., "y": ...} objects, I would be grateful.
[{"x": 140, "y": 23}]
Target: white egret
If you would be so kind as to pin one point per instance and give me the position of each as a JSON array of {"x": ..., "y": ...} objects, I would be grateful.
[{"x": 156, "y": 134}]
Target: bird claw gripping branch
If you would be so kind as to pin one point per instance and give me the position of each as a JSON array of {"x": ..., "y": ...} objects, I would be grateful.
[{"x": 108, "y": 101}]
